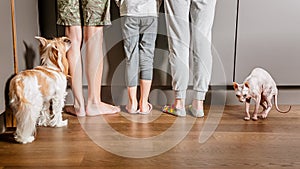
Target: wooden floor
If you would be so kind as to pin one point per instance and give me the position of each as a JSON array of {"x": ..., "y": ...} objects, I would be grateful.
[{"x": 234, "y": 144}]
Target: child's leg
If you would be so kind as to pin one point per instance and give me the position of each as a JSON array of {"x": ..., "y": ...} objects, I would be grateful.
[
  {"x": 130, "y": 32},
  {"x": 145, "y": 86},
  {"x": 132, "y": 101},
  {"x": 147, "y": 46}
]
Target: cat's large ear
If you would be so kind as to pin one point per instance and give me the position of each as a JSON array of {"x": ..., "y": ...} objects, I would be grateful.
[
  {"x": 247, "y": 84},
  {"x": 235, "y": 85}
]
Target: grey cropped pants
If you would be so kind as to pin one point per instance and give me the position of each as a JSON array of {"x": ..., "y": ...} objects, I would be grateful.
[
  {"x": 139, "y": 36},
  {"x": 189, "y": 27}
]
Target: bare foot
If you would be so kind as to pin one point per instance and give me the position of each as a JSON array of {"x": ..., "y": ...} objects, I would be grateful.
[
  {"x": 75, "y": 111},
  {"x": 101, "y": 108},
  {"x": 131, "y": 108},
  {"x": 144, "y": 107}
]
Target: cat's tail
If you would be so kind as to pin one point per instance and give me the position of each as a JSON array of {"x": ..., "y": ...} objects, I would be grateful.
[{"x": 276, "y": 105}]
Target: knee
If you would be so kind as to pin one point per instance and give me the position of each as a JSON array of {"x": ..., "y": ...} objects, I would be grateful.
[
  {"x": 96, "y": 33},
  {"x": 75, "y": 35}
]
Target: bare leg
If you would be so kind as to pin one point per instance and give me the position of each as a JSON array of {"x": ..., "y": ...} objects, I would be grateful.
[
  {"x": 145, "y": 86},
  {"x": 132, "y": 102},
  {"x": 93, "y": 37},
  {"x": 75, "y": 67},
  {"x": 179, "y": 103}
]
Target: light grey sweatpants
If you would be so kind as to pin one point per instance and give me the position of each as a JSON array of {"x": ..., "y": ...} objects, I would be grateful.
[
  {"x": 139, "y": 35},
  {"x": 190, "y": 38}
]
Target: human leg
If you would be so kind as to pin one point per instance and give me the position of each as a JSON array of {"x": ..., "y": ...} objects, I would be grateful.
[
  {"x": 177, "y": 20},
  {"x": 68, "y": 13},
  {"x": 93, "y": 38},
  {"x": 95, "y": 15},
  {"x": 130, "y": 33},
  {"x": 145, "y": 86},
  {"x": 132, "y": 104},
  {"x": 148, "y": 32},
  {"x": 75, "y": 67},
  {"x": 202, "y": 17}
]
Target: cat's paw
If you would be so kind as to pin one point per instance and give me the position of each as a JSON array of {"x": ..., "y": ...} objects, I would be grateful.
[
  {"x": 246, "y": 118},
  {"x": 264, "y": 115},
  {"x": 254, "y": 118}
]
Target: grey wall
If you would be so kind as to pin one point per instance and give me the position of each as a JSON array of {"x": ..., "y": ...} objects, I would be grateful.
[
  {"x": 26, "y": 15},
  {"x": 6, "y": 68},
  {"x": 224, "y": 42},
  {"x": 269, "y": 37}
]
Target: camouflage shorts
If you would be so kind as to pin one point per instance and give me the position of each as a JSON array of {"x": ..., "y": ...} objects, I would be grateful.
[{"x": 83, "y": 12}]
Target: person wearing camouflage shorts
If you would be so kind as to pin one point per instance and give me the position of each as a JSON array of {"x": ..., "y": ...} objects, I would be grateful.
[
  {"x": 83, "y": 12},
  {"x": 84, "y": 21}
]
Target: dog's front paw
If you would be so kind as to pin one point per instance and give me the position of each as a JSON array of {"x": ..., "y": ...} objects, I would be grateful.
[
  {"x": 30, "y": 139},
  {"x": 24, "y": 140},
  {"x": 42, "y": 123},
  {"x": 62, "y": 123}
]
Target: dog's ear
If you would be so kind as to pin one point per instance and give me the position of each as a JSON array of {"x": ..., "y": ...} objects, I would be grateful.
[
  {"x": 67, "y": 41},
  {"x": 42, "y": 40},
  {"x": 235, "y": 85}
]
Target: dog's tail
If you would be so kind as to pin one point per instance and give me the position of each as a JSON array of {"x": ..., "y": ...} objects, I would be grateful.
[{"x": 16, "y": 91}]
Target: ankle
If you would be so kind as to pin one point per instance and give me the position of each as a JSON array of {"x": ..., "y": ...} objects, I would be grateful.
[
  {"x": 93, "y": 101},
  {"x": 143, "y": 102},
  {"x": 179, "y": 104},
  {"x": 197, "y": 104},
  {"x": 78, "y": 107},
  {"x": 132, "y": 103}
]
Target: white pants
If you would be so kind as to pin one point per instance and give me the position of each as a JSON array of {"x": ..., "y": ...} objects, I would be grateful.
[{"x": 189, "y": 26}]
